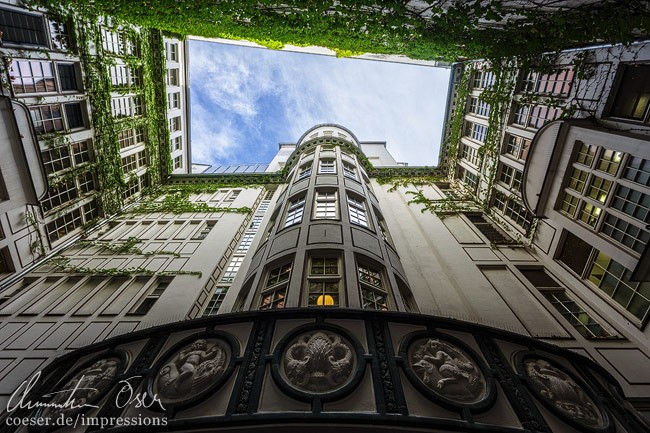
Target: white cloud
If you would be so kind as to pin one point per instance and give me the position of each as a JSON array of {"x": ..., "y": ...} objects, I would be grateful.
[{"x": 245, "y": 98}]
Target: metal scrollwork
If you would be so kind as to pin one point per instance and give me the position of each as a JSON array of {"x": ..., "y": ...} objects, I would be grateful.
[
  {"x": 447, "y": 370},
  {"x": 319, "y": 362},
  {"x": 558, "y": 388},
  {"x": 192, "y": 370},
  {"x": 83, "y": 389}
]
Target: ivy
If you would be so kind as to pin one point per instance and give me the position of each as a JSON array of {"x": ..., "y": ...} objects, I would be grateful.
[
  {"x": 176, "y": 199},
  {"x": 63, "y": 264}
]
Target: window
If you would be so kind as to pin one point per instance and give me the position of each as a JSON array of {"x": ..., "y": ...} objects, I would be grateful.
[
  {"x": 22, "y": 28},
  {"x": 86, "y": 182},
  {"x": 633, "y": 95},
  {"x": 173, "y": 100},
  {"x": 326, "y": 207},
  {"x": 479, "y": 107},
  {"x": 598, "y": 188},
  {"x": 148, "y": 302},
  {"x": 513, "y": 209},
  {"x": 232, "y": 269},
  {"x": 373, "y": 294},
  {"x": 569, "y": 204},
  {"x": 357, "y": 209},
  {"x": 577, "y": 180},
  {"x": 64, "y": 225},
  {"x": 349, "y": 171},
  {"x": 609, "y": 161},
  {"x": 74, "y": 115},
  {"x": 471, "y": 155},
  {"x": 305, "y": 171},
  {"x": 576, "y": 315},
  {"x": 172, "y": 77},
  {"x": 626, "y": 233},
  {"x": 59, "y": 194},
  {"x": 56, "y": 159},
  {"x": 521, "y": 114},
  {"x": 177, "y": 143},
  {"x": 175, "y": 124},
  {"x": 47, "y": 118},
  {"x": 178, "y": 162},
  {"x": 483, "y": 79},
  {"x": 233, "y": 196},
  {"x": 67, "y": 76},
  {"x": 589, "y": 214},
  {"x": 535, "y": 116},
  {"x": 470, "y": 179},
  {"x": 126, "y": 138},
  {"x": 324, "y": 278},
  {"x": 129, "y": 163},
  {"x": 246, "y": 242},
  {"x": 614, "y": 281},
  {"x": 511, "y": 177},
  {"x": 171, "y": 51},
  {"x": 633, "y": 203},
  {"x": 61, "y": 34},
  {"x": 295, "y": 211},
  {"x": 5, "y": 262},
  {"x": 557, "y": 82},
  {"x": 638, "y": 170},
  {"x": 275, "y": 288},
  {"x": 574, "y": 253},
  {"x": 255, "y": 223},
  {"x": 326, "y": 167},
  {"x": 586, "y": 154},
  {"x": 31, "y": 76},
  {"x": 215, "y": 301},
  {"x": 517, "y": 147},
  {"x": 476, "y": 131},
  {"x": 205, "y": 230}
]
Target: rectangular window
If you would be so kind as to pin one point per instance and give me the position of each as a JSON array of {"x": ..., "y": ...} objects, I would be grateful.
[
  {"x": 175, "y": 124},
  {"x": 479, "y": 132},
  {"x": 305, "y": 171},
  {"x": 64, "y": 225},
  {"x": 149, "y": 301},
  {"x": 59, "y": 194},
  {"x": 589, "y": 214},
  {"x": 573, "y": 312},
  {"x": 22, "y": 28},
  {"x": 598, "y": 188},
  {"x": 246, "y": 242},
  {"x": 255, "y": 223},
  {"x": 232, "y": 196},
  {"x": 471, "y": 155},
  {"x": 129, "y": 163},
  {"x": 295, "y": 211},
  {"x": 275, "y": 288},
  {"x": 483, "y": 79},
  {"x": 326, "y": 167},
  {"x": 31, "y": 76},
  {"x": 205, "y": 230},
  {"x": 638, "y": 170},
  {"x": 633, "y": 203},
  {"x": 67, "y": 76},
  {"x": 625, "y": 233},
  {"x": 586, "y": 154},
  {"x": 172, "y": 51},
  {"x": 517, "y": 147},
  {"x": 326, "y": 207},
  {"x": 614, "y": 280},
  {"x": 173, "y": 100},
  {"x": 324, "y": 278},
  {"x": 633, "y": 95},
  {"x": 56, "y": 159},
  {"x": 176, "y": 143},
  {"x": 215, "y": 301},
  {"x": 373, "y": 294},
  {"x": 541, "y": 114},
  {"x": 557, "y": 82},
  {"x": 357, "y": 210},
  {"x": 609, "y": 161},
  {"x": 126, "y": 138},
  {"x": 178, "y": 162},
  {"x": 577, "y": 180},
  {"x": 86, "y": 182},
  {"x": 521, "y": 115},
  {"x": 349, "y": 171},
  {"x": 479, "y": 107},
  {"x": 47, "y": 118},
  {"x": 172, "y": 77},
  {"x": 569, "y": 204},
  {"x": 74, "y": 115},
  {"x": 513, "y": 209},
  {"x": 232, "y": 269}
]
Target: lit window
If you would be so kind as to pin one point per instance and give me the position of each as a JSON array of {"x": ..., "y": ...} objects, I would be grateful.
[
  {"x": 609, "y": 161},
  {"x": 325, "y": 205},
  {"x": 589, "y": 214},
  {"x": 586, "y": 154},
  {"x": 326, "y": 167},
  {"x": 599, "y": 188},
  {"x": 614, "y": 280},
  {"x": 324, "y": 279},
  {"x": 357, "y": 210},
  {"x": 577, "y": 180},
  {"x": 576, "y": 315},
  {"x": 569, "y": 204},
  {"x": 275, "y": 289},
  {"x": 295, "y": 211}
]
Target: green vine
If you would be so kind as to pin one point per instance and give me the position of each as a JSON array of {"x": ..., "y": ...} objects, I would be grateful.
[
  {"x": 63, "y": 264},
  {"x": 126, "y": 247}
]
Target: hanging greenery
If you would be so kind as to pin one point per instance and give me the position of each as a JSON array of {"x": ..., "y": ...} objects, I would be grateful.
[
  {"x": 63, "y": 264},
  {"x": 126, "y": 247}
]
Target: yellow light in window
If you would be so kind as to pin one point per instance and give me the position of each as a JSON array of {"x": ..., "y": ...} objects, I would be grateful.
[
  {"x": 596, "y": 211},
  {"x": 602, "y": 198},
  {"x": 325, "y": 300},
  {"x": 617, "y": 156}
]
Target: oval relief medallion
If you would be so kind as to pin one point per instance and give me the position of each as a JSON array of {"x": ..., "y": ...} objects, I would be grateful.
[
  {"x": 447, "y": 370},
  {"x": 562, "y": 392},
  {"x": 318, "y": 362},
  {"x": 191, "y": 370}
]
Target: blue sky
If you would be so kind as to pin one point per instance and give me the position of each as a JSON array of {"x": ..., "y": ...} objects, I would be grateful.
[{"x": 244, "y": 101}]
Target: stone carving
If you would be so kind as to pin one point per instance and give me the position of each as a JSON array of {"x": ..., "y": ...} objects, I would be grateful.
[
  {"x": 564, "y": 393},
  {"x": 192, "y": 370},
  {"x": 447, "y": 370},
  {"x": 84, "y": 388},
  {"x": 319, "y": 362}
]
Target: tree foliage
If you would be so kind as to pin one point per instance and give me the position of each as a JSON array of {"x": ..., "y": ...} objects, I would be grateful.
[{"x": 446, "y": 30}]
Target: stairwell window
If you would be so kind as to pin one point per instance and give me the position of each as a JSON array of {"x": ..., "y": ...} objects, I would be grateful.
[
  {"x": 373, "y": 293},
  {"x": 295, "y": 211},
  {"x": 305, "y": 171},
  {"x": 323, "y": 281},
  {"x": 326, "y": 166},
  {"x": 358, "y": 214},
  {"x": 349, "y": 171},
  {"x": 149, "y": 301},
  {"x": 275, "y": 288},
  {"x": 326, "y": 207}
]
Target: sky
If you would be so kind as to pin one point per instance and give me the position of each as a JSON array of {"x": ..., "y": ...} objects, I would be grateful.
[{"x": 245, "y": 101}]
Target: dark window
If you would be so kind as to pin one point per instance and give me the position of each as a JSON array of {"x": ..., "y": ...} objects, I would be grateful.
[
  {"x": 633, "y": 93},
  {"x": 539, "y": 278},
  {"x": 22, "y": 28},
  {"x": 575, "y": 253},
  {"x": 74, "y": 116},
  {"x": 489, "y": 231},
  {"x": 67, "y": 76}
]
